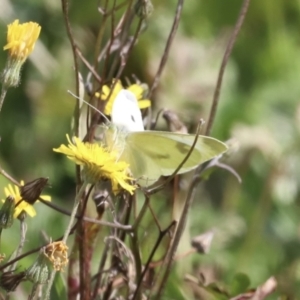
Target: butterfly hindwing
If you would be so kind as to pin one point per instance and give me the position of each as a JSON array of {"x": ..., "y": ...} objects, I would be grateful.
[{"x": 155, "y": 153}]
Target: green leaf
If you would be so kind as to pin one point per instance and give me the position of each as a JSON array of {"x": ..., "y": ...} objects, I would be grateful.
[
  {"x": 218, "y": 290},
  {"x": 59, "y": 291},
  {"x": 239, "y": 284},
  {"x": 174, "y": 289}
]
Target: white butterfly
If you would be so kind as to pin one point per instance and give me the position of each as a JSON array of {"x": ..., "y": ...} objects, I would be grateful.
[{"x": 152, "y": 154}]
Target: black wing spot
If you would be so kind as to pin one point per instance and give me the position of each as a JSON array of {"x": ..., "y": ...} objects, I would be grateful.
[
  {"x": 132, "y": 118},
  {"x": 183, "y": 148}
]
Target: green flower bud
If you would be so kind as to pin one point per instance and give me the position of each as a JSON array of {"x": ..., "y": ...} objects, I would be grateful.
[
  {"x": 39, "y": 271},
  {"x": 143, "y": 8},
  {"x": 7, "y": 213}
]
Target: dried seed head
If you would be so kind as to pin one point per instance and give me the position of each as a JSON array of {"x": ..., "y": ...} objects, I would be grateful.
[
  {"x": 203, "y": 242},
  {"x": 102, "y": 199},
  {"x": 173, "y": 121},
  {"x": 9, "y": 281},
  {"x": 31, "y": 191}
]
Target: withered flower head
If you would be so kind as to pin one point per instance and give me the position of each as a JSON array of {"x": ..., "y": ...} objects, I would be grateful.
[
  {"x": 9, "y": 281},
  {"x": 31, "y": 191},
  {"x": 202, "y": 242},
  {"x": 102, "y": 197},
  {"x": 173, "y": 121},
  {"x": 57, "y": 253}
]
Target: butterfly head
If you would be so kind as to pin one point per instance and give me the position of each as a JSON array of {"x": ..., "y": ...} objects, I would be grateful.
[{"x": 126, "y": 114}]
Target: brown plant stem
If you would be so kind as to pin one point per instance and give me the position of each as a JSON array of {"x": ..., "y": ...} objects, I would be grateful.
[
  {"x": 226, "y": 56},
  {"x": 65, "y": 9},
  {"x": 149, "y": 260},
  {"x": 164, "y": 58},
  {"x": 84, "y": 252}
]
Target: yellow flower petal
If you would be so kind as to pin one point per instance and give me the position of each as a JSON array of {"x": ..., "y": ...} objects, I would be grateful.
[
  {"x": 144, "y": 104},
  {"x": 136, "y": 89},
  {"x": 46, "y": 197}
]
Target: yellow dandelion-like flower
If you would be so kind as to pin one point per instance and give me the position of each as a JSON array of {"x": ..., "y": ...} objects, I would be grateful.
[
  {"x": 14, "y": 191},
  {"x": 21, "y": 39},
  {"x": 57, "y": 253},
  {"x": 98, "y": 163},
  {"x": 136, "y": 89}
]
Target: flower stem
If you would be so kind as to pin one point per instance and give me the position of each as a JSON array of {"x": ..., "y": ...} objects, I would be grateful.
[
  {"x": 2, "y": 96},
  {"x": 23, "y": 230},
  {"x": 74, "y": 211}
]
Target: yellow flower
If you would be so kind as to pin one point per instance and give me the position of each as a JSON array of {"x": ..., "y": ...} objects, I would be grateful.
[
  {"x": 98, "y": 163},
  {"x": 23, "y": 205},
  {"x": 136, "y": 89},
  {"x": 21, "y": 39}
]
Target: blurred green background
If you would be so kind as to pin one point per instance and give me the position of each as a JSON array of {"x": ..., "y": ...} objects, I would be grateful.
[{"x": 256, "y": 223}]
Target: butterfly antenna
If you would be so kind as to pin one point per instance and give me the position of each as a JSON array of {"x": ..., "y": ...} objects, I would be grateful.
[{"x": 90, "y": 105}]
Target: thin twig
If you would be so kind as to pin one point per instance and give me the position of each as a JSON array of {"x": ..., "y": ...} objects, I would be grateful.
[
  {"x": 10, "y": 178},
  {"x": 74, "y": 211},
  {"x": 181, "y": 225},
  {"x": 87, "y": 64},
  {"x": 153, "y": 251},
  {"x": 227, "y": 53},
  {"x": 23, "y": 230},
  {"x": 126, "y": 56},
  {"x": 110, "y": 43},
  {"x": 65, "y": 8},
  {"x": 84, "y": 257},
  {"x": 122, "y": 29},
  {"x": 142, "y": 212},
  {"x": 100, "y": 35},
  {"x": 164, "y": 58},
  {"x": 100, "y": 268},
  {"x": 137, "y": 256}
]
